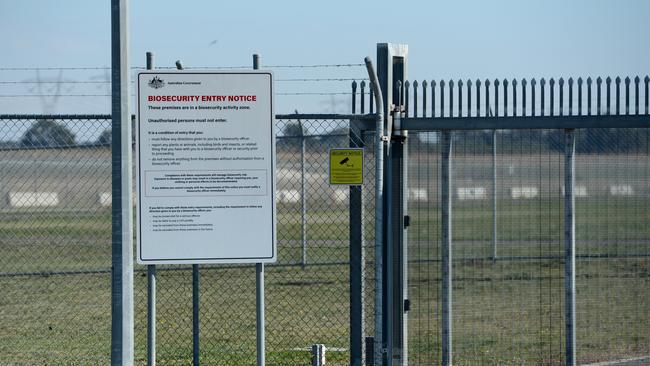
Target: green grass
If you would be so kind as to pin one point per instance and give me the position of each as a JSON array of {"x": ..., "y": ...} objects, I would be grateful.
[
  {"x": 508, "y": 312},
  {"x": 505, "y": 313}
]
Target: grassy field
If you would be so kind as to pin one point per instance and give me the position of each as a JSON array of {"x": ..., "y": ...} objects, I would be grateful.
[{"x": 508, "y": 312}]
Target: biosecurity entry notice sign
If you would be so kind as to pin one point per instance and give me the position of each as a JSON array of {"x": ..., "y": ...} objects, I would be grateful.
[{"x": 206, "y": 163}]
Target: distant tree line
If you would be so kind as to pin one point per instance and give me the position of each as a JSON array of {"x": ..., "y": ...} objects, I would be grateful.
[{"x": 48, "y": 133}]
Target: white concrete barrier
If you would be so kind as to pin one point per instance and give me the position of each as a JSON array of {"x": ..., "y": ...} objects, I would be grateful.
[
  {"x": 418, "y": 195},
  {"x": 471, "y": 193},
  {"x": 33, "y": 199},
  {"x": 578, "y": 191},
  {"x": 624, "y": 190},
  {"x": 288, "y": 196},
  {"x": 340, "y": 195},
  {"x": 524, "y": 192},
  {"x": 105, "y": 199}
]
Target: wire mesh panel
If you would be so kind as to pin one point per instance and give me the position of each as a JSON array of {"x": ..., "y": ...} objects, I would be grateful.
[
  {"x": 508, "y": 285},
  {"x": 424, "y": 336},
  {"x": 613, "y": 247},
  {"x": 506, "y": 309},
  {"x": 308, "y": 289},
  {"x": 369, "y": 244},
  {"x": 55, "y": 237}
]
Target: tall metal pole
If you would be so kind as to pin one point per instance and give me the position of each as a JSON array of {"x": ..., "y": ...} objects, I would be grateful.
[
  {"x": 569, "y": 248},
  {"x": 357, "y": 260},
  {"x": 446, "y": 250},
  {"x": 389, "y": 291},
  {"x": 151, "y": 285},
  {"x": 196, "y": 327},
  {"x": 259, "y": 286},
  {"x": 122, "y": 218},
  {"x": 396, "y": 268},
  {"x": 494, "y": 196},
  {"x": 392, "y": 71},
  {"x": 402, "y": 222},
  {"x": 303, "y": 194},
  {"x": 380, "y": 142}
]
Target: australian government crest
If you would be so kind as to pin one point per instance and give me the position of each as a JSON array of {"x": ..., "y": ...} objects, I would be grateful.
[{"x": 156, "y": 82}]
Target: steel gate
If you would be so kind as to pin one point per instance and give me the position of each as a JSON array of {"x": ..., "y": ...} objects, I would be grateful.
[{"x": 524, "y": 205}]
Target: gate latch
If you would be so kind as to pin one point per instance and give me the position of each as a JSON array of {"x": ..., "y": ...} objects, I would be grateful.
[{"x": 407, "y": 221}]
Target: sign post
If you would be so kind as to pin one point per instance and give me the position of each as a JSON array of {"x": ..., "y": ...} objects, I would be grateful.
[
  {"x": 122, "y": 212},
  {"x": 206, "y": 167}
]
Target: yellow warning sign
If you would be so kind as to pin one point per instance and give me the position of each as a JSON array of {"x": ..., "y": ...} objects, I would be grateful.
[{"x": 346, "y": 166}]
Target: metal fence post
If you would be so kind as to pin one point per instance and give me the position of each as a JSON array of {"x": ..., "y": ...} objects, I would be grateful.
[
  {"x": 569, "y": 247},
  {"x": 151, "y": 315},
  {"x": 259, "y": 287},
  {"x": 379, "y": 143},
  {"x": 151, "y": 285},
  {"x": 195, "y": 315},
  {"x": 357, "y": 261},
  {"x": 318, "y": 355},
  {"x": 122, "y": 217},
  {"x": 303, "y": 194},
  {"x": 395, "y": 253},
  {"x": 446, "y": 249},
  {"x": 402, "y": 225},
  {"x": 494, "y": 196},
  {"x": 392, "y": 71}
]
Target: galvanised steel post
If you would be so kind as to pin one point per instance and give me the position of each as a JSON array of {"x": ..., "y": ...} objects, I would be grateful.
[
  {"x": 569, "y": 247},
  {"x": 151, "y": 285},
  {"x": 392, "y": 68},
  {"x": 446, "y": 249},
  {"x": 494, "y": 196},
  {"x": 401, "y": 223},
  {"x": 195, "y": 315},
  {"x": 121, "y": 215},
  {"x": 357, "y": 260},
  {"x": 259, "y": 287},
  {"x": 303, "y": 193},
  {"x": 380, "y": 142}
]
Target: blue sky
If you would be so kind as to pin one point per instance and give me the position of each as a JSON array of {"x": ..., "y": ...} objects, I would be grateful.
[{"x": 460, "y": 39}]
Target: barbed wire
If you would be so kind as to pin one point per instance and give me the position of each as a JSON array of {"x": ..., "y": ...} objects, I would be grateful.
[
  {"x": 52, "y": 95},
  {"x": 314, "y": 66},
  {"x": 188, "y": 68},
  {"x": 133, "y": 81},
  {"x": 108, "y": 95},
  {"x": 315, "y": 93},
  {"x": 324, "y": 79},
  {"x": 55, "y": 82},
  {"x": 53, "y": 68}
]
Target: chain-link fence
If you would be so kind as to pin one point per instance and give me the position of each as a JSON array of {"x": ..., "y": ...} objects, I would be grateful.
[
  {"x": 55, "y": 236},
  {"x": 508, "y": 308},
  {"x": 55, "y": 271}
]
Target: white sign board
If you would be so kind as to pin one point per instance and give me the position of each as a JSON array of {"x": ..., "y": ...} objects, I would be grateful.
[{"x": 206, "y": 163}]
